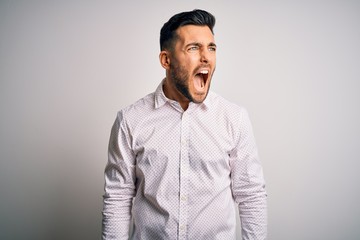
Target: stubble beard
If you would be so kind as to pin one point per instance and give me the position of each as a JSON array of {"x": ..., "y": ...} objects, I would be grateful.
[{"x": 180, "y": 77}]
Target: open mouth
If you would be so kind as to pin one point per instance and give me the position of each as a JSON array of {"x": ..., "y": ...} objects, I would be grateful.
[{"x": 200, "y": 80}]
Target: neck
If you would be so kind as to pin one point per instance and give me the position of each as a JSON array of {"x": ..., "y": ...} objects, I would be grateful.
[{"x": 172, "y": 93}]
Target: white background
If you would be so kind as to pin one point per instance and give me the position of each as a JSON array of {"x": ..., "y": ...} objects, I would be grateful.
[{"x": 67, "y": 67}]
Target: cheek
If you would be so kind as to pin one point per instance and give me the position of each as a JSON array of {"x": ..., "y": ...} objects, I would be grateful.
[{"x": 213, "y": 58}]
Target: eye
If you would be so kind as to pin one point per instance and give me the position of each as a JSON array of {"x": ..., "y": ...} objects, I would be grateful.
[
  {"x": 193, "y": 48},
  {"x": 212, "y": 48}
]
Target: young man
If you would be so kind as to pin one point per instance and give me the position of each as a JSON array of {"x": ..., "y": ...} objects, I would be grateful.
[{"x": 181, "y": 156}]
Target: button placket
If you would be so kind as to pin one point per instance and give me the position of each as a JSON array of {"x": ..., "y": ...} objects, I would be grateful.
[{"x": 184, "y": 176}]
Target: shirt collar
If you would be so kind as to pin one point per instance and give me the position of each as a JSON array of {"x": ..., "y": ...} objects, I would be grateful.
[{"x": 161, "y": 99}]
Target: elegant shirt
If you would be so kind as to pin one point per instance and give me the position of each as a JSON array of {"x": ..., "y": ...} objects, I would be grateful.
[{"x": 178, "y": 173}]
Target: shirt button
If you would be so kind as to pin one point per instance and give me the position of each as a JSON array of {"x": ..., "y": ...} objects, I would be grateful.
[
  {"x": 182, "y": 227},
  {"x": 183, "y": 198}
]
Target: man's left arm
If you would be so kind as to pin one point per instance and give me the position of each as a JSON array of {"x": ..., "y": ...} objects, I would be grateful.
[{"x": 248, "y": 185}]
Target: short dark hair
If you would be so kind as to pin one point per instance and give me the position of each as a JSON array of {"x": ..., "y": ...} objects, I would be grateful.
[{"x": 196, "y": 17}]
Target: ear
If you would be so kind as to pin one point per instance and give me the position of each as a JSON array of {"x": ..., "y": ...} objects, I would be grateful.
[{"x": 164, "y": 58}]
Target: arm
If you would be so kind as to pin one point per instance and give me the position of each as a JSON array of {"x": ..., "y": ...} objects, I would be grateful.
[
  {"x": 248, "y": 185},
  {"x": 119, "y": 183}
]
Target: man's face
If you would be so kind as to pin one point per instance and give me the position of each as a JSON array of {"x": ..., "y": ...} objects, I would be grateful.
[{"x": 192, "y": 62}]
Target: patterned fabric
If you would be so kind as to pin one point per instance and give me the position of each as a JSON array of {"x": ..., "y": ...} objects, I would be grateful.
[{"x": 185, "y": 170}]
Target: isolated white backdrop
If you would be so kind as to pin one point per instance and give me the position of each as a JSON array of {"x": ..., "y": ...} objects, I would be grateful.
[{"x": 67, "y": 67}]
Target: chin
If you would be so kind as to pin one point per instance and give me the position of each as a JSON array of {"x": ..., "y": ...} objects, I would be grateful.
[{"x": 199, "y": 98}]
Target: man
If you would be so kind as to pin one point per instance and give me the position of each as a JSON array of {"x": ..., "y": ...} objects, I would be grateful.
[{"x": 181, "y": 156}]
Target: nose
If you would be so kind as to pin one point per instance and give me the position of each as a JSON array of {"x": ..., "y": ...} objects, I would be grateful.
[{"x": 204, "y": 56}]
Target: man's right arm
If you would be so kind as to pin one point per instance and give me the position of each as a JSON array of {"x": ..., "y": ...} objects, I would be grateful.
[{"x": 119, "y": 183}]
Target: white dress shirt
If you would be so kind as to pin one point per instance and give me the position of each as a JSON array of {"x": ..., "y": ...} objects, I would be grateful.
[{"x": 184, "y": 170}]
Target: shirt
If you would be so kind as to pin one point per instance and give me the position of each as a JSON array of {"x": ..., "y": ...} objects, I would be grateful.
[{"x": 177, "y": 173}]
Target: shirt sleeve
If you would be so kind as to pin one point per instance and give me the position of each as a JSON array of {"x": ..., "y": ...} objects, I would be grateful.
[
  {"x": 248, "y": 185},
  {"x": 119, "y": 183}
]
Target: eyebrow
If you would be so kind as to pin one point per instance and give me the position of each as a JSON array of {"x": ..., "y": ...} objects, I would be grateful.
[{"x": 212, "y": 44}]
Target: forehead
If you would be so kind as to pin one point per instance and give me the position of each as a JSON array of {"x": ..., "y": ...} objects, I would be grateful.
[{"x": 193, "y": 33}]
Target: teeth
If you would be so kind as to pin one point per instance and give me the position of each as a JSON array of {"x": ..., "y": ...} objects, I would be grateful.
[{"x": 204, "y": 72}]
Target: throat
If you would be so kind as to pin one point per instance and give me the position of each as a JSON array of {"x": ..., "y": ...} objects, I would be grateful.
[{"x": 199, "y": 82}]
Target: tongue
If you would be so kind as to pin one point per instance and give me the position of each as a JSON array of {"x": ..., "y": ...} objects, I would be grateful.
[{"x": 199, "y": 82}]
